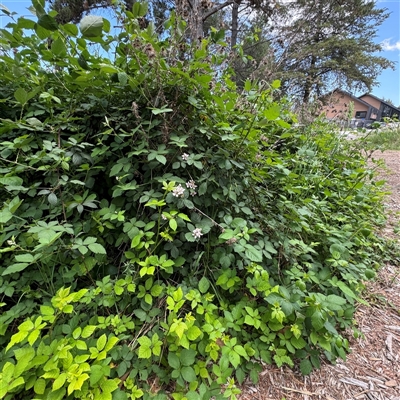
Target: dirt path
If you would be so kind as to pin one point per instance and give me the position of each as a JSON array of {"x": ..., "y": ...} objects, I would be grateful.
[{"x": 372, "y": 370}]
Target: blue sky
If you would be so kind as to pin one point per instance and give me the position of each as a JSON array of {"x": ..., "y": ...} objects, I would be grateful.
[{"x": 388, "y": 35}]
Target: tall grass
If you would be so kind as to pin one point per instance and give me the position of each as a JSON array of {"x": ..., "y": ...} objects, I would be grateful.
[{"x": 385, "y": 138}]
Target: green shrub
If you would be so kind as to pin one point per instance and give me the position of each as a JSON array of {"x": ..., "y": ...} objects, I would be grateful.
[
  {"x": 383, "y": 137},
  {"x": 163, "y": 234}
]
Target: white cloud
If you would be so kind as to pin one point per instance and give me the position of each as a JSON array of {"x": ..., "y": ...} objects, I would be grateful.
[{"x": 387, "y": 46}]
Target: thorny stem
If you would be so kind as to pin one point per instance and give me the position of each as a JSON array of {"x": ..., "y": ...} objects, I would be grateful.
[{"x": 214, "y": 222}]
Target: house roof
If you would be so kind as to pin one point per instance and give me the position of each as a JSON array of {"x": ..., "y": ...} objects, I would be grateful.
[
  {"x": 351, "y": 96},
  {"x": 382, "y": 101}
]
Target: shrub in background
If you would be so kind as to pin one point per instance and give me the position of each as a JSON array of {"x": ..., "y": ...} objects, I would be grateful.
[{"x": 161, "y": 233}]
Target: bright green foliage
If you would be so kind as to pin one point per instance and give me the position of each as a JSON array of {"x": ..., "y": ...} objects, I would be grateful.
[{"x": 160, "y": 230}]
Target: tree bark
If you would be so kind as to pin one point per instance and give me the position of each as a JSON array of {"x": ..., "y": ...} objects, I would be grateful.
[
  {"x": 309, "y": 81},
  {"x": 196, "y": 22},
  {"x": 235, "y": 22}
]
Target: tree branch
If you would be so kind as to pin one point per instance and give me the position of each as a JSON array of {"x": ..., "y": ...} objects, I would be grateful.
[{"x": 217, "y": 8}]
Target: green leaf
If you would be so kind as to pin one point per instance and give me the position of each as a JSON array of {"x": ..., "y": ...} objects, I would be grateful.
[
  {"x": 58, "y": 48},
  {"x": 11, "y": 180},
  {"x": 24, "y": 258},
  {"x": 96, "y": 373},
  {"x": 76, "y": 333},
  {"x": 148, "y": 299},
  {"x": 144, "y": 352},
  {"x": 40, "y": 386},
  {"x": 91, "y": 26},
  {"x": 106, "y": 25},
  {"x": 97, "y": 248},
  {"x": 253, "y": 254},
  {"x": 234, "y": 358},
  {"x": 17, "y": 382},
  {"x": 276, "y": 84},
  {"x": 111, "y": 342},
  {"x": 203, "y": 188},
  {"x": 204, "y": 285},
  {"x": 157, "y": 111},
  {"x": 225, "y": 261},
  {"x": 89, "y": 240},
  {"x": 144, "y": 5},
  {"x": 298, "y": 343},
  {"x": 156, "y": 290},
  {"x": 5, "y": 216},
  {"x": 24, "y": 357},
  {"x": 101, "y": 342},
  {"x": 48, "y": 22},
  {"x": 14, "y": 268},
  {"x": 108, "y": 69},
  {"x": 305, "y": 367},
  {"x": 88, "y": 331},
  {"x": 144, "y": 341},
  {"x": 334, "y": 302},
  {"x": 173, "y": 361},
  {"x": 135, "y": 241},
  {"x": 160, "y": 158},
  {"x": 59, "y": 382},
  {"x": 108, "y": 386},
  {"x": 345, "y": 289},
  {"x": 121, "y": 395},
  {"x": 52, "y": 199},
  {"x": 70, "y": 29},
  {"x": 22, "y": 97},
  {"x": 241, "y": 351},
  {"x": 273, "y": 112},
  {"x": 34, "y": 122},
  {"x": 83, "y": 249},
  {"x": 188, "y": 356},
  {"x": 318, "y": 320},
  {"x": 188, "y": 374},
  {"x": 122, "y": 78},
  {"x": 42, "y": 32},
  {"x": 227, "y": 234}
]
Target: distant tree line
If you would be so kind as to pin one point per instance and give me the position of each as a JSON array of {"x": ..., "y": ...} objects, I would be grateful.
[{"x": 310, "y": 45}]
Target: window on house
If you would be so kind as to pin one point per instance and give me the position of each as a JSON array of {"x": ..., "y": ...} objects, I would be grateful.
[
  {"x": 361, "y": 114},
  {"x": 386, "y": 111}
]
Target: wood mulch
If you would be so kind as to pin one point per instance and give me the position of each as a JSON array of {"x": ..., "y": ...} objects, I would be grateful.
[{"x": 372, "y": 370}]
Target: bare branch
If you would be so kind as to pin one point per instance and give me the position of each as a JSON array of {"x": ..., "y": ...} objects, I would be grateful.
[{"x": 217, "y": 8}]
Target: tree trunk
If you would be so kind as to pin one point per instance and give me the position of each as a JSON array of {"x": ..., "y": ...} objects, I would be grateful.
[
  {"x": 309, "y": 81},
  {"x": 235, "y": 22},
  {"x": 196, "y": 22}
]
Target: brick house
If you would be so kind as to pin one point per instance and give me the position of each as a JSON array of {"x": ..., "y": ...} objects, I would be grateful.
[{"x": 337, "y": 105}]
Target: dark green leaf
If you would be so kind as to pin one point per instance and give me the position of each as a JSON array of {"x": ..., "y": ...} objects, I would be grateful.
[
  {"x": 21, "y": 96},
  {"x": 305, "y": 367},
  {"x": 47, "y": 22},
  {"x": 58, "y": 48},
  {"x": 188, "y": 374},
  {"x": 173, "y": 361},
  {"x": 188, "y": 357}
]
